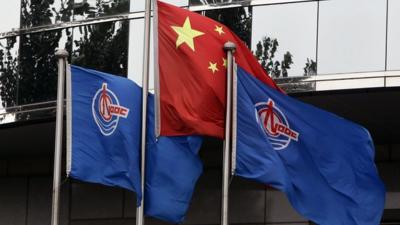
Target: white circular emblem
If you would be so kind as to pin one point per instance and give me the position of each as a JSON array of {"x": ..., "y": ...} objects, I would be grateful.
[
  {"x": 106, "y": 110},
  {"x": 275, "y": 125}
]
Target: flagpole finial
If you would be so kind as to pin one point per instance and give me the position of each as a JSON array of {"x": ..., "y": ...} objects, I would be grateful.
[
  {"x": 62, "y": 53},
  {"x": 229, "y": 46}
]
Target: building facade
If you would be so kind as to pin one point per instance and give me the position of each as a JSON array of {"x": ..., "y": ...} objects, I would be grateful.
[{"x": 343, "y": 56}]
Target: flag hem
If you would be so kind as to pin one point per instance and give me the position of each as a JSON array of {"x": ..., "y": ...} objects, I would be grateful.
[
  {"x": 156, "y": 72},
  {"x": 69, "y": 120},
  {"x": 234, "y": 117}
]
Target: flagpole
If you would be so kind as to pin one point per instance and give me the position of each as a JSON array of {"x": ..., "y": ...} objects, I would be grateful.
[
  {"x": 229, "y": 47},
  {"x": 62, "y": 55},
  {"x": 145, "y": 90}
]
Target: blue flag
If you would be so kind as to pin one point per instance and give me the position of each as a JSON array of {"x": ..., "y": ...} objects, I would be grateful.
[
  {"x": 322, "y": 162},
  {"x": 105, "y": 144},
  {"x": 105, "y": 129},
  {"x": 172, "y": 170}
]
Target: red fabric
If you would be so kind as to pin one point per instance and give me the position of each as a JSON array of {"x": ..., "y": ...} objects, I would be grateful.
[{"x": 192, "y": 97}]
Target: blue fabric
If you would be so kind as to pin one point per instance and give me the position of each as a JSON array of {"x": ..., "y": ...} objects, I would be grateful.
[
  {"x": 105, "y": 152},
  {"x": 322, "y": 162},
  {"x": 172, "y": 169},
  {"x": 172, "y": 163}
]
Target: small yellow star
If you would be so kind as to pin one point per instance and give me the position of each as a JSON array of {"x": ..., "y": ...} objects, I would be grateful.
[
  {"x": 219, "y": 30},
  {"x": 186, "y": 34},
  {"x": 224, "y": 62},
  {"x": 213, "y": 67}
]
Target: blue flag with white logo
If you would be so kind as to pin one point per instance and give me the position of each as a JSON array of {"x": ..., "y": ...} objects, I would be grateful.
[
  {"x": 105, "y": 144},
  {"x": 105, "y": 129},
  {"x": 323, "y": 163}
]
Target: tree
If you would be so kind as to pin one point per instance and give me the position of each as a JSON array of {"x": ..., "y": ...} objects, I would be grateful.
[
  {"x": 28, "y": 67},
  {"x": 8, "y": 73},
  {"x": 103, "y": 46},
  {"x": 239, "y": 20},
  {"x": 311, "y": 68},
  {"x": 31, "y": 75},
  {"x": 212, "y": 2},
  {"x": 265, "y": 53},
  {"x": 37, "y": 63},
  {"x": 236, "y": 19}
]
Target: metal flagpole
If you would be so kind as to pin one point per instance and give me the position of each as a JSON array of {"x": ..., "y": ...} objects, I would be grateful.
[
  {"x": 145, "y": 90},
  {"x": 62, "y": 59},
  {"x": 229, "y": 47}
]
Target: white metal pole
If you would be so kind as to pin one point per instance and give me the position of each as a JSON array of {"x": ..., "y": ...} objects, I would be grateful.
[
  {"x": 62, "y": 58},
  {"x": 145, "y": 90},
  {"x": 229, "y": 47}
]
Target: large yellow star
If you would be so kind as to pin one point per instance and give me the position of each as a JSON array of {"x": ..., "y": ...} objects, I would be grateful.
[
  {"x": 186, "y": 34},
  {"x": 213, "y": 67}
]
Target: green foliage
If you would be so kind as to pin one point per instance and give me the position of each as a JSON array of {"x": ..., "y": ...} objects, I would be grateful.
[
  {"x": 286, "y": 62},
  {"x": 103, "y": 46},
  {"x": 28, "y": 67},
  {"x": 265, "y": 54},
  {"x": 31, "y": 75},
  {"x": 236, "y": 19},
  {"x": 311, "y": 68},
  {"x": 8, "y": 73},
  {"x": 102, "y": 8},
  {"x": 37, "y": 63}
]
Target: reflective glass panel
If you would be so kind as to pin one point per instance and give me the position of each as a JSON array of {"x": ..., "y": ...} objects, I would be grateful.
[
  {"x": 237, "y": 19},
  {"x": 243, "y": 2},
  {"x": 43, "y": 12},
  {"x": 284, "y": 38},
  {"x": 9, "y": 14},
  {"x": 393, "y": 45},
  {"x": 38, "y": 65},
  {"x": 8, "y": 71},
  {"x": 212, "y": 2},
  {"x": 102, "y": 47},
  {"x": 352, "y": 36},
  {"x": 135, "y": 64},
  {"x": 84, "y": 9},
  {"x": 138, "y": 5}
]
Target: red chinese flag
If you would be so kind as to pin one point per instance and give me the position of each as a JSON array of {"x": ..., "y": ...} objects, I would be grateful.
[{"x": 191, "y": 77}]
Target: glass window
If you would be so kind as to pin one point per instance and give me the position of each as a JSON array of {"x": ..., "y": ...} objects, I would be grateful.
[
  {"x": 9, "y": 15},
  {"x": 102, "y": 47},
  {"x": 38, "y": 65},
  {"x": 284, "y": 38},
  {"x": 36, "y": 13},
  {"x": 237, "y": 19},
  {"x": 277, "y": 1},
  {"x": 84, "y": 9},
  {"x": 138, "y": 5},
  {"x": 8, "y": 71},
  {"x": 212, "y": 2},
  {"x": 253, "y": 2},
  {"x": 393, "y": 45},
  {"x": 136, "y": 38},
  {"x": 352, "y": 36}
]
